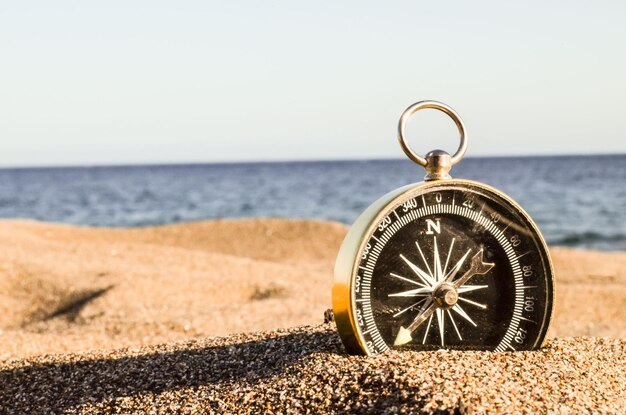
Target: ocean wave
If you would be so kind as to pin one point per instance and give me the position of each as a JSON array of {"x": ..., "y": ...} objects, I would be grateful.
[
  {"x": 615, "y": 241},
  {"x": 563, "y": 206}
]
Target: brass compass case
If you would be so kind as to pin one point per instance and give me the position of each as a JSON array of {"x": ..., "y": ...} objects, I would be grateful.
[{"x": 445, "y": 263}]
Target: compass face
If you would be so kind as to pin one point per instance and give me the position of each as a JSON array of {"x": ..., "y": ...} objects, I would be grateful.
[{"x": 452, "y": 265}]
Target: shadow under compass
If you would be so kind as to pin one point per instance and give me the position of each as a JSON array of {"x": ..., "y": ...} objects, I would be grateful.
[{"x": 37, "y": 388}]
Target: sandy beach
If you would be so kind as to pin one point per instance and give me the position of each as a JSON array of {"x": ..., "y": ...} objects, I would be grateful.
[{"x": 127, "y": 319}]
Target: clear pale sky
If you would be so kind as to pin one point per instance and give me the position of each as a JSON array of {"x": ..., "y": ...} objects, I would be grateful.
[{"x": 195, "y": 81}]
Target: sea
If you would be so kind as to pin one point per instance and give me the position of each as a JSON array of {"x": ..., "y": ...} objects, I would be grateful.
[{"x": 577, "y": 201}]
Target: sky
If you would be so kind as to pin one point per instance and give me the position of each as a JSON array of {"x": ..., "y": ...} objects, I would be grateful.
[{"x": 119, "y": 82}]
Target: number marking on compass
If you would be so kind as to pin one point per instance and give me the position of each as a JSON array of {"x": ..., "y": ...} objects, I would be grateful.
[{"x": 439, "y": 268}]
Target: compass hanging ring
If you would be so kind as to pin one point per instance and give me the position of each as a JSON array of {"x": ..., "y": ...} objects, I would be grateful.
[{"x": 437, "y": 162}]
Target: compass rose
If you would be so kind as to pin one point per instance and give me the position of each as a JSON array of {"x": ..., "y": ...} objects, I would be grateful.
[{"x": 439, "y": 291}]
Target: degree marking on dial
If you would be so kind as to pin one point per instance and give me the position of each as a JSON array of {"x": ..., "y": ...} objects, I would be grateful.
[
  {"x": 457, "y": 267},
  {"x": 529, "y": 320},
  {"x": 480, "y": 220},
  {"x": 506, "y": 227},
  {"x": 525, "y": 253}
]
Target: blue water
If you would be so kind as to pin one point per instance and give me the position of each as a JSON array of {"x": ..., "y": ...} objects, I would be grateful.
[{"x": 576, "y": 201}]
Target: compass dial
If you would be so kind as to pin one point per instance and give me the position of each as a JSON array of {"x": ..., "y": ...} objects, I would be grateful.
[{"x": 453, "y": 265}]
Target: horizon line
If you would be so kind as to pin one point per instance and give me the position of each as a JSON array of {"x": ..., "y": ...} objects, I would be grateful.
[{"x": 285, "y": 161}]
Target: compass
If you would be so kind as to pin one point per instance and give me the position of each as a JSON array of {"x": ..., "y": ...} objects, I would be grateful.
[{"x": 444, "y": 263}]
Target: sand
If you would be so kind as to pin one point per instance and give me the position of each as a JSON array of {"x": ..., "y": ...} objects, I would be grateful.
[
  {"x": 304, "y": 370},
  {"x": 68, "y": 289},
  {"x": 138, "y": 310}
]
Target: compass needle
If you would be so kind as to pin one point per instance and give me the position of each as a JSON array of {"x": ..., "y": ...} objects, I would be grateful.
[
  {"x": 477, "y": 267},
  {"x": 408, "y": 308},
  {"x": 445, "y": 262},
  {"x": 447, "y": 296},
  {"x": 403, "y": 337},
  {"x": 426, "y": 311},
  {"x": 457, "y": 267}
]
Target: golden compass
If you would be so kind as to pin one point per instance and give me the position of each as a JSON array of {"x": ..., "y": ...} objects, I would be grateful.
[{"x": 444, "y": 263}]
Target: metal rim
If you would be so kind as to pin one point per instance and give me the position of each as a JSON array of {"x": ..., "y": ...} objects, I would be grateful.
[
  {"x": 346, "y": 265},
  {"x": 404, "y": 118}
]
